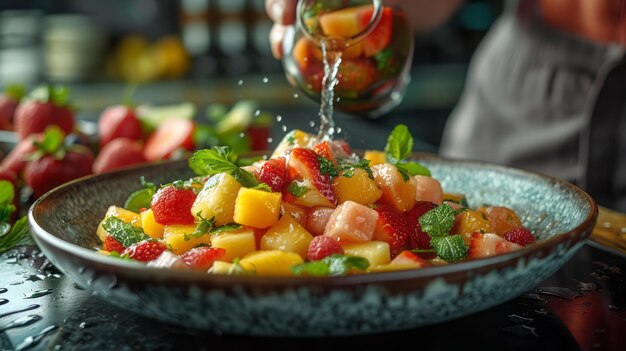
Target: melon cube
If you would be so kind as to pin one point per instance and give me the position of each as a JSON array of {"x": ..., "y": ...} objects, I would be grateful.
[
  {"x": 257, "y": 208},
  {"x": 237, "y": 244},
  {"x": 317, "y": 219},
  {"x": 376, "y": 252},
  {"x": 179, "y": 239},
  {"x": 270, "y": 263},
  {"x": 359, "y": 188},
  {"x": 428, "y": 189},
  {"x": 351, "y": 222},
  {"x": 217, "y": 199},
  {"x": 299, "y": 213},
  {"x": 150, "y": 226},
  {"x": 287, "y": 235}
]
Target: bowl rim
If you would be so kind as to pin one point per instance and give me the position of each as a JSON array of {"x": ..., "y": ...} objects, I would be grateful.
[{"x": 137, "y": 269}]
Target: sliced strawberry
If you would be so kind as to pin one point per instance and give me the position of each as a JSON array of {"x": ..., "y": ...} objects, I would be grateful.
[
  {"x": 418, "y": 239},
  {"x": 409, "y": 258},
  {"x": 392, "y": 227},
  {"x": 111, "y": 244},
  {"x": 202, "y": 258},
  {"x": 521, "y": 236},
  {"x": 145, "y": 250},
  {"x": 341, "y": 146},
  {"x": 356, "y": 75},
  {"x": 172, "y": 205},
  {"x": 304, "y": 164},
  {"x": 118, "y": 153},
  {"x": 323, "y": 149},
  {"x": 322, "y": 246},
  {"x": 380, "y": 37},
  {"x": 486, "y": 245},
  {"x": 272, "y": 173},
  {"x": 171, "y": 135}
]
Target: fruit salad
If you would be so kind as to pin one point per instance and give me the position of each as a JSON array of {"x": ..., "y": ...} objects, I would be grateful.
[{"x": 309, "y": 209}]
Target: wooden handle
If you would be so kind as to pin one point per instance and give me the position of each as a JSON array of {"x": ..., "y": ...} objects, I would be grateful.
[{"x": 610, "y": 229}]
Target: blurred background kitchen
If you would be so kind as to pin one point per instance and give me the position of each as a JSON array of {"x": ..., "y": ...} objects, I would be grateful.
[{"x": 213, "y": 51}]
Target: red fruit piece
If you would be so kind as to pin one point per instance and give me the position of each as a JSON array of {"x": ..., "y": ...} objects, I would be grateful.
[
  {"x": 118, "y": 122},
  {"x": 172, "y": 205},
  {"x": 171, "y": 135},
  {"x": 418, "y": 238},
  {"x": 323, "y": 149},
  {"x": 48, "y": 172},
  {"x": 202, "y": 258},
  {"x": 121, "y": 152},
  {"x": 45, "y": 106},
  {"x": 8, "y": 104},
  {"x": 145, "y": 250},
  {"x": 272, "y": 173},
  {"x": 15, "y": 160},
  {"x": 521, "y": 236},
  {"x": 392, "y": 227},
  {"x": 322, "y": 246},
  {"x": 304, "y": 164},
  {"x": 356, "y": 75},
  {"x": 380, "y": 37},
  {"x": 111, "y": 244},
  {"x": 486, "y": 245}
]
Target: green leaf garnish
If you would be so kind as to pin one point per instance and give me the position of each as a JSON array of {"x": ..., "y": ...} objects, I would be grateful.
[
  {"x": 125, "y": 257},
  {"x": 51, "y": 144},
  {"x": 330, "y": 266},
  {"x": 450, "y": 248},
  {"x": 221, "y": 159},
  {"x": 125, "y": 233},
  {"x": 18, "y": 235},
  {"x": 327, "y": 167},
  {"x": 140, "y": 198},
  {"x": 203, "y": 227},
  {"x": 296, "y": 189},
  {"x": 347, "y": 168},
  {"x": 438, "y": 221},
  {"x": 398, "y": 149},
  {"x": 57, "y": 94},
  {"x": 15, "y": 91},
  {"x": 262, "y": 186},
  {"x": 7, "y": 193}
]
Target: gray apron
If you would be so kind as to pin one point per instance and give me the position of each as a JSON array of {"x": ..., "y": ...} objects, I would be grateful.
[{"x": 540, "y": 99}]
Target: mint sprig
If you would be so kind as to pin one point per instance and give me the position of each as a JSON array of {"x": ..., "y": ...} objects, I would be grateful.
[
  {"x": 125, "y": 233},
  {"x": 14, "y": 235},
  {"x": 221, "y": 159},
  {"x": 330, "y": 266},
  {"x": 399, "y": 148},
  {"x": 437, "y": 223},
  {"x": 346, "y": 168},
  {"x": 207, "y": 226},
  {"x": 140, "y": 198},
  {"x": 450, "y": 248},
  {"x": 296, "y": 189}
]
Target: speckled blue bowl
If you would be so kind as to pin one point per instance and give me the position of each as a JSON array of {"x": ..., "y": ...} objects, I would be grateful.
[{"x": 64, "y": 222}]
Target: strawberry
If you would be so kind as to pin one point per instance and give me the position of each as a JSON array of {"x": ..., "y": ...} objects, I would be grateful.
[
  {"x": 111, "y": 244},
  {"x": 418, "y": 239},
  {"x": 202, "y": 258},
  {"x": 118, "y": 153},
  {"x": 15, "y": 160},
  {"x": 521, "y": 236},
  {"x": 380, "y": 37},
  {"x": 356, "y": 75},
  {"x": 272, "y": 173},
  {"x": 45, "y": 106},
  {"x": 172, "y": 205},
  {"x": 118, "y": 122},
  {"x": 409, "y": 258},
  {"x": 392, "y": 227},
  {"x": 305, "y": 164},
  {"x": 322, "y": 246},
  {"x": 145, "y": 250},
  {"x": 323, "y": 149},
  {"x": 171, "y": 135},
  {"x": 485, "y": 245},
  {"x": 8, "y": 104}
]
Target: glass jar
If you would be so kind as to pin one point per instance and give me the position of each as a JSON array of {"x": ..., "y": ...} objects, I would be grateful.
[{"x": 374, "y": 40}]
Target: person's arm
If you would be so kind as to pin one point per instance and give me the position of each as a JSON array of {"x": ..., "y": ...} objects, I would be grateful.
[{"x": 425, "y": 15}]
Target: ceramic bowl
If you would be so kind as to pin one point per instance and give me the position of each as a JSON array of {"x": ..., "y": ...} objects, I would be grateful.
[{"x": 64, "y": 222}]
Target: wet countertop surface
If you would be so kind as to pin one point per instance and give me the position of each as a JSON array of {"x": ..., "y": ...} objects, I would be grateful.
[{"x": 582, "y": 306}]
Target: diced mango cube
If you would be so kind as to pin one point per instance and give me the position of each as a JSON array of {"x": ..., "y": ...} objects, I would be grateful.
[
  {"x": 287, "y": 235},
  {"x": 257, "y": 208},
  {"x": 270, "y": 263},
  {"x": 359, "y": 188},
  {"x": 299, "y": 213},
  {"x": 150, "y": 226},
  {"x": 352, "y": 223},
  {"x": 179, "y": 239},
  {"x": 376, "y": 252},
  {"x": 468, "y": 222},
  {"x": 220, "y": 267},
  {"x": 501, "y": 218},
  {"x": 237, "y": 244},
  {"x": 217, "y": 199},
  {"x": 376, "y": 157},
  {"x": 125, "y": 215},
  {"x": 396, "y": 191}
]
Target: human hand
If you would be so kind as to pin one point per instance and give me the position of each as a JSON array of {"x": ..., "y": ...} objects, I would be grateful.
[{"x": 283, "y": 13}]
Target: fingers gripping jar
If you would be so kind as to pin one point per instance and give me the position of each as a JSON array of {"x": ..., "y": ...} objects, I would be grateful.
[{"x": 369, "y": 43}]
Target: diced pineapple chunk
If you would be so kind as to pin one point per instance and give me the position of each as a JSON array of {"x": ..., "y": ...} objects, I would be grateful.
[
  {"x": 287, "y": 235},
  {"x": 125, "y": 215},
  {"x": 359, "y": 188},
  {"x": 220, "y": 267},
  {"x": 270, "y": 263},
  {"x": 376, "y": 157},
  {"x": 217, "y": 199},
  {"x": 351, "y": 223},
  {"x": 150, "y": 226},
  {"x": 179, "y": 238},
  {"x": 468, "y": 222},
  {"x": 376, "y": 252},
  {"x": 299, "y": 213},
  {"x": 295, "y": 138},
  {"x": 237, "y": 244},
  {"x": 257, "y": 208}
]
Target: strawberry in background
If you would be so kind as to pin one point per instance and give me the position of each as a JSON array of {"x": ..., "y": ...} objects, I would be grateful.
[
  {"x": 119, "y": 121},
  {"x": 46, "y": 105},
  {"x": 8, "y": 104},
  {"x": 118, "y": 153},
  {"x": 52, "y": 163}
]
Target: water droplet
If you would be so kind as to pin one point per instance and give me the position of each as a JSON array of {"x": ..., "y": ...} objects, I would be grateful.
[
  {"x": 76, "y": 286},
  {"x": 519, "y": 319},
  {"x": 31, "y": 341},
  {"x": 338, "y": 130},
  {"x": 395, "y": 96},
  {"x": 265, "y": 80},
  {"x": 284, "y": 128},
  {"x": 542, "y": 311},
  {"x": 312, "y": 124},
  {"x": 81, "y": 270},
  {"x": 242, "y": 134},
  {"x": 564, "y": 293},
  {"x": 521, "y": 330},
  {"x": 38, "y": 293},
  {"x": 591, "y": 286},
  {"x": 82, "y": 325},
  {"x": 296, "y": 95},
  {"x": 613, "y": 308},
  {"x": 16, "y": 283},
  {"x": 27, "y": 308},
  {"x": 3, "y": 301},
  {"x": 3, "y": 290},
  {"x": 240, "y": 82},
  {"x": 21, "y": 322},
  {"x": 279, "y": 118},
  {"x": 257, "y": 113},
  {"x": 269, "y": 140}
]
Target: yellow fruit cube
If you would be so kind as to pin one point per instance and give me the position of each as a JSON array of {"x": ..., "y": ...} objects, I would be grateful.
[
  {"x": 217, "y": 199},
  {"x": 299, "y": 213},
  {"x": 270, "y": 263},
  {"x": 220, "y": 267},
  {"x": 257, "y": 208},
  {"x": 237, "y": 244},
  {"x": 376, "y": 157},
  {"x": 359, "y": 188},
  {"x": 295, "y": 138},
  {"x": 287, "y": 235},
  {"x": 150, "y": 226},
  {"x": 125, "y": 215},
  {"x": 397, "y": 192},
  {"x": 376, "y": 252},
  {"x": 178, "y": 238},
  {"x": 470, "y": 221}
]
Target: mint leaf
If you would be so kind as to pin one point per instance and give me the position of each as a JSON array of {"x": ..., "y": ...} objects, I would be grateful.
[
  {"x": 221, "y": 159},
  {"x": 7, "y": 192},
  {"x": 399, "y": 144},
  {"x": 203, "y": 227},
  {"x": 18, "y": 235},
  {"x": 296, "y": 189},
  {"x": 438, "y": 221},
  {"x": 125, "y": 233},
  {"x": 347, "y": 168},
  {"x": 225, "y": 228},
  {"x": 333, "y": 265},
  {"x": 327, "y": 167},
  {"x": 450, "y": 248},
  {"x": 413, "y": 168},
  {"x": 140, "y": 198},
  {"x": 263, "y": 186},
  {"x": 244, "y": 178}
]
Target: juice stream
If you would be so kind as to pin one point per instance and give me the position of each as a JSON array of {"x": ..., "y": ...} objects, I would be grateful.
[{"x": 332, "y": 60}]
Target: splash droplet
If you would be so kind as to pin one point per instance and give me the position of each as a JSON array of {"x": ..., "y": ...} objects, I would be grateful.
[
  {"x": 38, "y": 293},
  {"x": 3, "y": 290},
  {"x": 564, "y": 293},
  {"x": 21, "y": 322},
  {"x": 242, "y": 134},
  {"x": 257, "y": 113},
  {"x": 296, "y": 95},
  {"x": 311, "y": 124},
  {"x": 283, "y": 128},
  {"x": 279, "y": 118},
  {"x": 265, "y": 80},
  {"x": 27, "y": 308},
  {"x": 31, "y": 341},
  {"x": 3, "y": 301},
  {"x": 269, "y": 140},
  {"x": 240, "y": 82}
]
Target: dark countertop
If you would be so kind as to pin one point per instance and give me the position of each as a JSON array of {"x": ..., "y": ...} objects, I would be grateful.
[{"x": 582, "y": 306}]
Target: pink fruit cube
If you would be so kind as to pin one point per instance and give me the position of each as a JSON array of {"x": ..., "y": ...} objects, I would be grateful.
[{"x": 351, "y": 222}]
